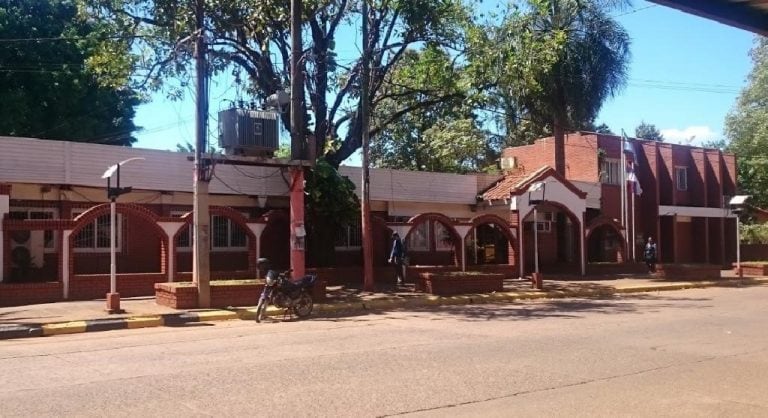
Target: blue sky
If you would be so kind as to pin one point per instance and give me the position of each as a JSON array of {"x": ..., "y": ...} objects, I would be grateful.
[{"x": 684, "y": 77}]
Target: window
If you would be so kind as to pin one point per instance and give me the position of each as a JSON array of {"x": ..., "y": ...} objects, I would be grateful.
[
  {"x": 609, "y": 171},
  {"x": 443, "y": 239},
  {"x": 418, "y": 239},
  {"x": 349, "y": 237},
  {"x": 681, "y": 175},
  {"x": 225, "y": 234},
  {"x": 184, "y": 238},
  {"x": 94, "y": 237},
  {"x": 544, "y": 226},
  {"x": 49, "y": 236}
]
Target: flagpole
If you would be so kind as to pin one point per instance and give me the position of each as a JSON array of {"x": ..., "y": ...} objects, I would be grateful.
[
  {"x": 623, "y": 191},
  {"x": 634, "y": 186}
]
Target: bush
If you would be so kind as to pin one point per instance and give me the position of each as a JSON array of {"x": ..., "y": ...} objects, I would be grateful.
[{"x": 754, "y": 233}]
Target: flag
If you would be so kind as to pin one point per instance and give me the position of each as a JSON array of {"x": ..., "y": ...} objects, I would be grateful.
[
  {"x": 629, "y": 145},
  {"x": 633, "y": 181}
]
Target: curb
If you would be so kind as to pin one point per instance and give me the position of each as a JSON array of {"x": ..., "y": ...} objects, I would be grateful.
[{"x": 181, "y": 319}]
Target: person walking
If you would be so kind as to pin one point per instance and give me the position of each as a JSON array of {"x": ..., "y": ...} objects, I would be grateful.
[
  {"x": 396, "y": 257},
  {"x": 650, "y": 255}
]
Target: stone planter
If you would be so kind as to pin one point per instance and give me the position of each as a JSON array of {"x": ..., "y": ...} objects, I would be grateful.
[
  {"x": 224, "y": 293},
  {"x": 456, "y": 283}
]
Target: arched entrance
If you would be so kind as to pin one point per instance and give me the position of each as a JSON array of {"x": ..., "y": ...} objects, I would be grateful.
[
  {"x": 559, "y": 239},
  {"x": 433, "y": 241},
  {"x": 232, "y": 242},
  {"x": 605, "y": 243},
  {"x": 275, "y": 240},
  {"x": 489, "y": 241},
  {"x": 141, "y": 245}
]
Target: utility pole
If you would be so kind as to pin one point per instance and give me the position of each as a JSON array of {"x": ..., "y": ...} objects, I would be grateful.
[
  {"x": 201, "y": 266},
  {"x": 298, "y": 145},
  {"x": 364, "y": 119}
]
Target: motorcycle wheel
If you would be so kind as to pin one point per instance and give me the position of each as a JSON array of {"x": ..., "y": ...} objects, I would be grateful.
[
  {"x": 304, "y": 305},
  {"x": 261, "y": 310}
]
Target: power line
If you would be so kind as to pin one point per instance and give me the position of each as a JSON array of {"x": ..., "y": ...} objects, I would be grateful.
[{"x": 74, "y": 38}]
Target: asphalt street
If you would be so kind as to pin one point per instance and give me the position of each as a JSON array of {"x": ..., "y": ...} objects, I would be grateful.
[{"x": 697, "y": 353}]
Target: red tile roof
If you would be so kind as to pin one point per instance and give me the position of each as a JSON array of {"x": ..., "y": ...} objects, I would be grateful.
[
  {"x": 511, "y": 182},
  {"x": 518, "y": 182}
]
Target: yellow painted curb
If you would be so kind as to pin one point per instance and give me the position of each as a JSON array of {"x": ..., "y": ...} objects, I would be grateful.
[
  {"x": 143, "y": 322},
  {"x": 64, "y": 328},
  {"x": 215, "y": 315}
]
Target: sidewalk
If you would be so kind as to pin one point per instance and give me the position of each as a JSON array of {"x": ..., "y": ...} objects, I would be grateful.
[{"x": 88, "y": 316}]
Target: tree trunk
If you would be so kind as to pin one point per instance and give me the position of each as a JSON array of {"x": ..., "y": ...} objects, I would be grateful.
[{"x": 559, "y": 135}]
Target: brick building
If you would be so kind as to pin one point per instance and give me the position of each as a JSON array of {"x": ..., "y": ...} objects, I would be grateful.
[
  {"x": 683, "y": 204},
  {"x": 55, "y": 223}
]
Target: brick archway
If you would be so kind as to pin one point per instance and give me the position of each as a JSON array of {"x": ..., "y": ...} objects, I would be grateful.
[
  {"x": 579, "y": 250},
  {"x": 504, "y": 228},
  {"x": 277, "y": 233},
  {"x": 497, "y": 220},
  {"x": 234, "y": 216},
  {"x": 448, "y": 223},
  {"x": 130, "y": 209},
  {"x": 603, "y": 222}
]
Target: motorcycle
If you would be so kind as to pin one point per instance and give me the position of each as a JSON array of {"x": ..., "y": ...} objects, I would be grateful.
[{"x": 279, "y": 290}]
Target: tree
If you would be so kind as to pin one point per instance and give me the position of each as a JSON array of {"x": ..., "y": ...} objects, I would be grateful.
[
  {"x": 443, "y": 137},
  {"x": 254, "y": 36},
  {"x": 561, "y": 60},
  {"x": 648, "y": 131},
  {"x": 331, "y": 204},
  {"x": 746, "y": 127},
  {"x": 53, "y": 84}
]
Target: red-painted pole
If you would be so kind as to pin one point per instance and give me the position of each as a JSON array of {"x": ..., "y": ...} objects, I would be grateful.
[{"x": 298, "y": 233}]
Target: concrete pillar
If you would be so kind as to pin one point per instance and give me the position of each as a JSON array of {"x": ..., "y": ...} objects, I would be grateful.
[
  {"x": 257, "y": 228},
  {"x": 66, "y": 262},
  {"x": 170, "y": 229},
  {"x": 5, "y": 207},
  {"x": 582, "y": 241},
  {"x": 463, "y": 230}
]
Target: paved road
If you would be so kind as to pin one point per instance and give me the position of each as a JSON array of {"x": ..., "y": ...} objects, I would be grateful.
[{"x": 685, "y": 353}]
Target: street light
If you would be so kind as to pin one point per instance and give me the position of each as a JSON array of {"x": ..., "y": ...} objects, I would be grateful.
[
  {"x": 535, "y": 187},
  {"x": 737, "y": 204},
  {"x": 113, "y": 298}
]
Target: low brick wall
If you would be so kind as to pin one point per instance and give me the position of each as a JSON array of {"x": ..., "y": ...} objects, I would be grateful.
[
  {"x": 606, "y": 269},
  {"x": 688, "y": 271},
  {"x": 456, "y": 284},
  {"x": 223, "y": 294},
  {"x": 753, "y": 268},
  {"x": 96, "y": 286},
  {"x": 17, "y": 294}
]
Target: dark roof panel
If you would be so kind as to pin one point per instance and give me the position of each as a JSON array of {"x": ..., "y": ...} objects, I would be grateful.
[{"x": 751, "y": 15}]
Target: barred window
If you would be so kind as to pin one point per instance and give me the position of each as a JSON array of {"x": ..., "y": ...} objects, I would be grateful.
[
  {"x": 95, "y": 235},
  {"x": 349, "y": 237}
]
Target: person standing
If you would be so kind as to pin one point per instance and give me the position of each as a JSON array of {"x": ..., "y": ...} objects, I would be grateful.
[
  {"x": 396, "y": 257},
  {"x": 650, "y": 255}
]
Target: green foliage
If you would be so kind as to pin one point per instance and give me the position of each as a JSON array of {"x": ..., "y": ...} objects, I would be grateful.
[
  {"x": 441, "y": 137},
  {"x": 61, "y": 78},
  {"x": 754, "y": 233},
  {"x": 747, "y": 128},
  {"x": 330, "y": 196},
  {"x": 331, "y": 203},
  {"x": 557, "y": 60},
  {"x": 648, "y": 131},
  {"x": 253, "y": 37}
]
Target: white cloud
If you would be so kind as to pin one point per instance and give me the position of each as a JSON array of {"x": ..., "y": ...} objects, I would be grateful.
[{"x": 699, "y": 133}]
